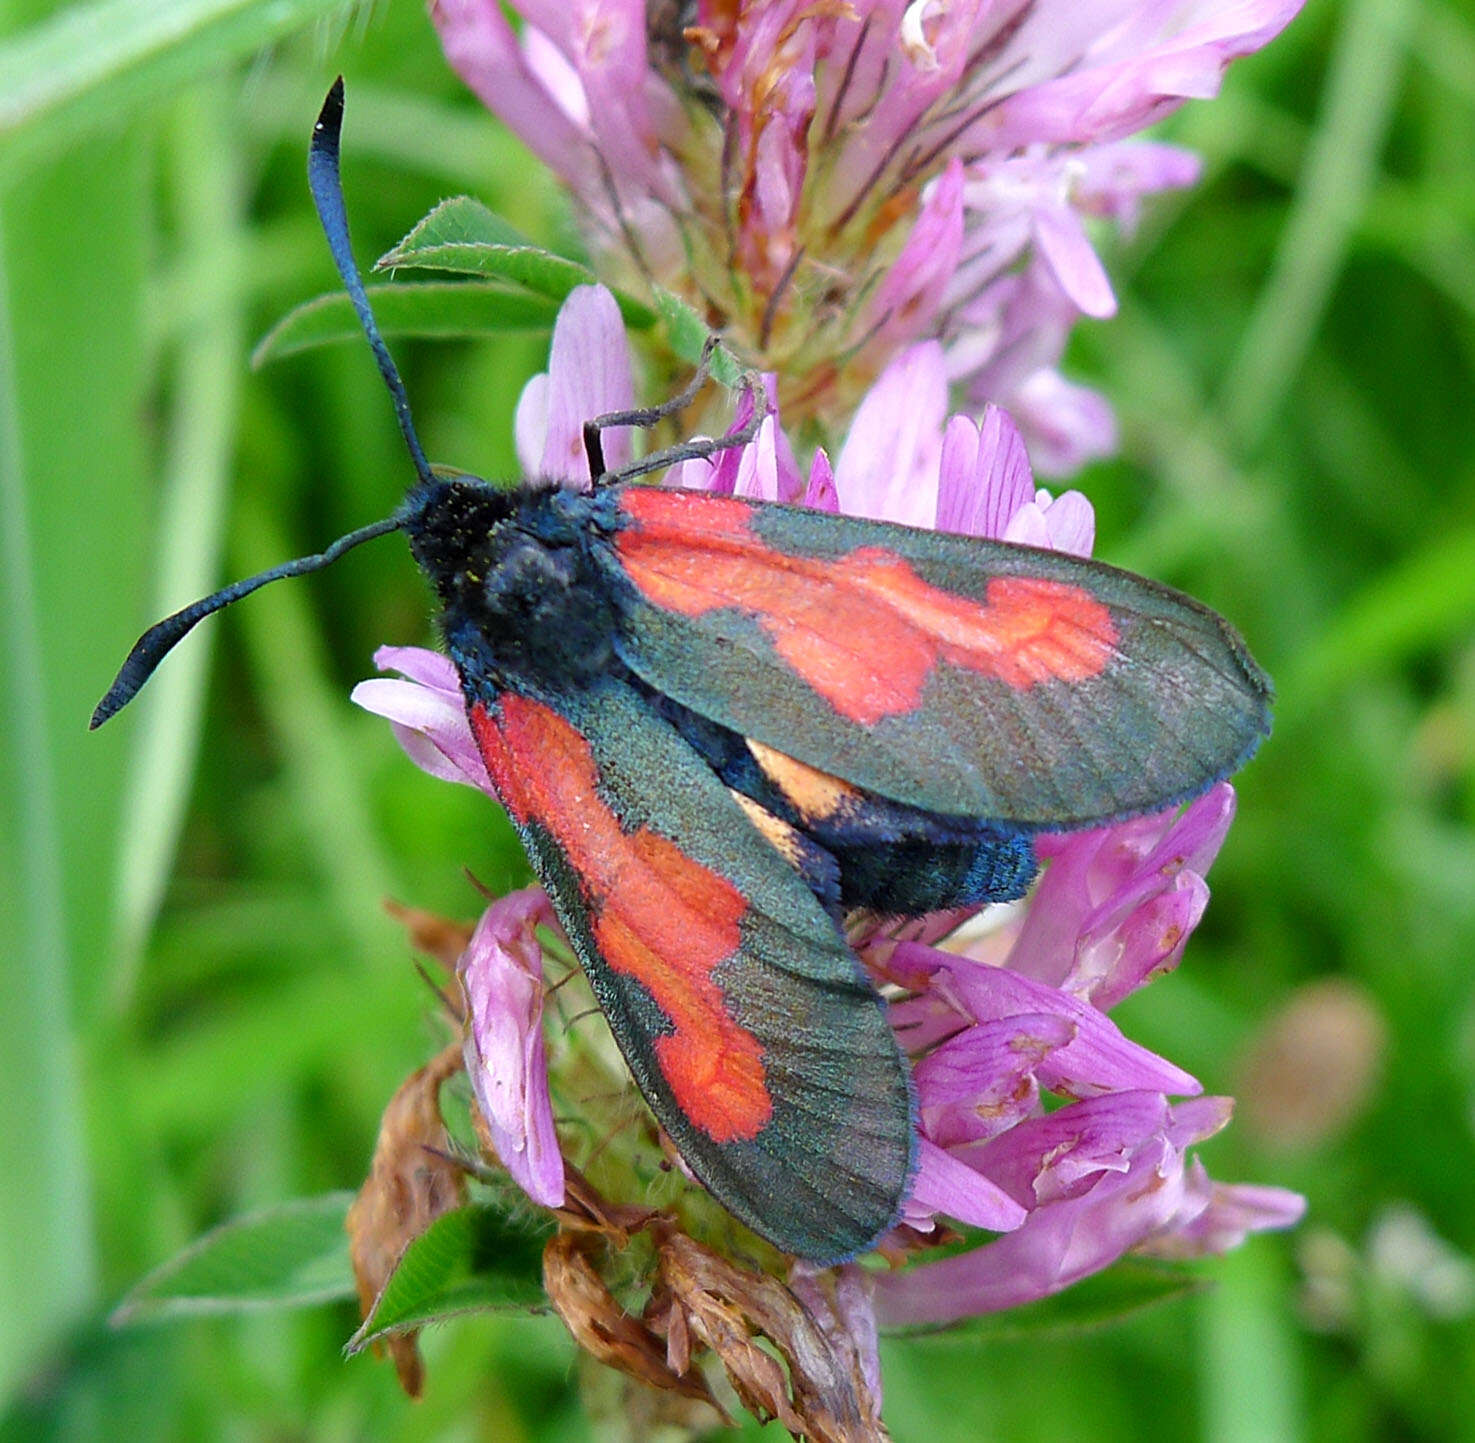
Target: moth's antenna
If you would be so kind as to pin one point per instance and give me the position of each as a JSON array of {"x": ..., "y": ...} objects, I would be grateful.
[
  {"x": 161, "y": 638},
  {"x": 327, "y": 196}
]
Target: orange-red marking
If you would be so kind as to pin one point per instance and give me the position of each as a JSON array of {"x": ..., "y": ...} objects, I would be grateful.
[
  {"x": 864, "y": 630},
  {"x": 657, "y": 916}
]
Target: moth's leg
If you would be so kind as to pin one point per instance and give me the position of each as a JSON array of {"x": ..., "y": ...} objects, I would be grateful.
[{"x": 698, "y": 449}]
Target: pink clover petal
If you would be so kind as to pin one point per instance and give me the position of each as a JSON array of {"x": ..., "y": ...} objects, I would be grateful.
[
  {"x": 1063, "y": 1240},
  {"x": 420, "y": 664},
  {"x": 1027, "y": 527},
  {"x": 719, "y": 473},
  {"x": 983, "y": 1080},
  {"x": 1061, "y": 1154},
  {"x": 588, "y": 374},
  {"x": 1098, "y": 1060},
  {"x": 819, "y": 492},
  {"x": 607, "y": 40},
  {"x": 530, "y": 424},
  {"x": 1067, "y": 425},
  {"x": 1027, "y": 319},
  {"x": 983, "y": 475},
  {"x": 766, "y": 468},
  {"x": 907, "y": 300},
  {"x": 1062, "y": 241},
  {"x": 1070, "y": 520},
  {"x": 1108, "y": 100},
  {"x": 697, "y": 474},
  {"x": 430, "y": 725},
  {"x": 934, "y": 43},
  {"x": 1096, "y": 881},
  {"x": 1192, "y": 841},
  {"x": 501, "y": 974},
  {"x": 1148, "y": 944},
  {"x": 1100, "y": 1177},
  {"x": 945, "y": 1185},
  {"x": 552, "y": 68},
  {"x": 1108, "y": 860},
  {"x": 438, "y": 764},
  {"x": 1197, "y": 1119},
  {"x": 1217, "y": 1217},
  {"x": 757, "y": 475},
  {"x": 483, "y": 51},
  {"x": 1063, "y": 523},
  {"x": 887, "y": 468},
  {"x": 1113, "y": 178}
]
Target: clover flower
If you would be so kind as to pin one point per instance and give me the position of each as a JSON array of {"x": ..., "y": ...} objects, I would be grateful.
[
  {"x": 828, "y": 180},
  {"x": 999, "y": 1015}
]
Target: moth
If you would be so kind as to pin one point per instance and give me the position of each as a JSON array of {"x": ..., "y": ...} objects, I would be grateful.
[{"x": 719, "y": 725}]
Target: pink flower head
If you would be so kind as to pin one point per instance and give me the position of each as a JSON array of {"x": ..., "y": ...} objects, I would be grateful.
[{"x": 838, "y": 179}]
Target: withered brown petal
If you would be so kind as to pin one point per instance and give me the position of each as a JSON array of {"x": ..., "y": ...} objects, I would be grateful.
[
  {"x": 434, "y": 935},
  {"x": 411, "y": 1182},
  {"x": 823, "y": 1397},
  {"x": 602, "y": 1327}
]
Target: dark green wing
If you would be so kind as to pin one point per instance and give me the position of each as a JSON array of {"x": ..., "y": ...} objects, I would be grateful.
[
  {"x": 747, "y": 1022},
  {"x": 963, "y": 676}
]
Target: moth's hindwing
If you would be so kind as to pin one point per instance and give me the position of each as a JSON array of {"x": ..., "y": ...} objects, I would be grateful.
[
  {"x": 857, "y": 849},
  {"x": 747, "y": 1022}
]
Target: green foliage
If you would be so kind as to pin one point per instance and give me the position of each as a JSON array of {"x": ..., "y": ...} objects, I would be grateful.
[
  {"x": 686, "y": 334},
  {"x": 205, "y": 1009},
  {"x": 472, "y": 1260},
  {"x": 461, "y": 234},
  {"x": 69, "y": 73},
  {"x": 288, "y": 1256}
]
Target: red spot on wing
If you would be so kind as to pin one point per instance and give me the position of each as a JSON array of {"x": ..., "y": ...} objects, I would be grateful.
[
  {"x": 864, "y": 630},
  {"x": 657, "y": 916}
]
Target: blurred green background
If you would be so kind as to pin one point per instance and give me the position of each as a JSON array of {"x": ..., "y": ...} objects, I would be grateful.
[{"x": 205, "y": 1007}]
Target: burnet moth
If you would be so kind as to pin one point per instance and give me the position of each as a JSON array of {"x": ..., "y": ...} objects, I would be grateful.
[{"x": 718, "y": 725}]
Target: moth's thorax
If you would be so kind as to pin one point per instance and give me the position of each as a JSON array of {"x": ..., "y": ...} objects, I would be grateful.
[{"x": 523, "y": 596}]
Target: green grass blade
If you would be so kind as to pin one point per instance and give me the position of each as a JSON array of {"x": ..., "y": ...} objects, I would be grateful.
[
  {"x": 1249, "y": 1364},
  {"x": 1425, "y": 602},
  {"x": 309, "y": 718},
  {"x": 46, "y": 1264},
  {"x": 209, "y": 367},
  {"x": 1341, "y": 170},
  {"x": 82, "y": 67}
]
